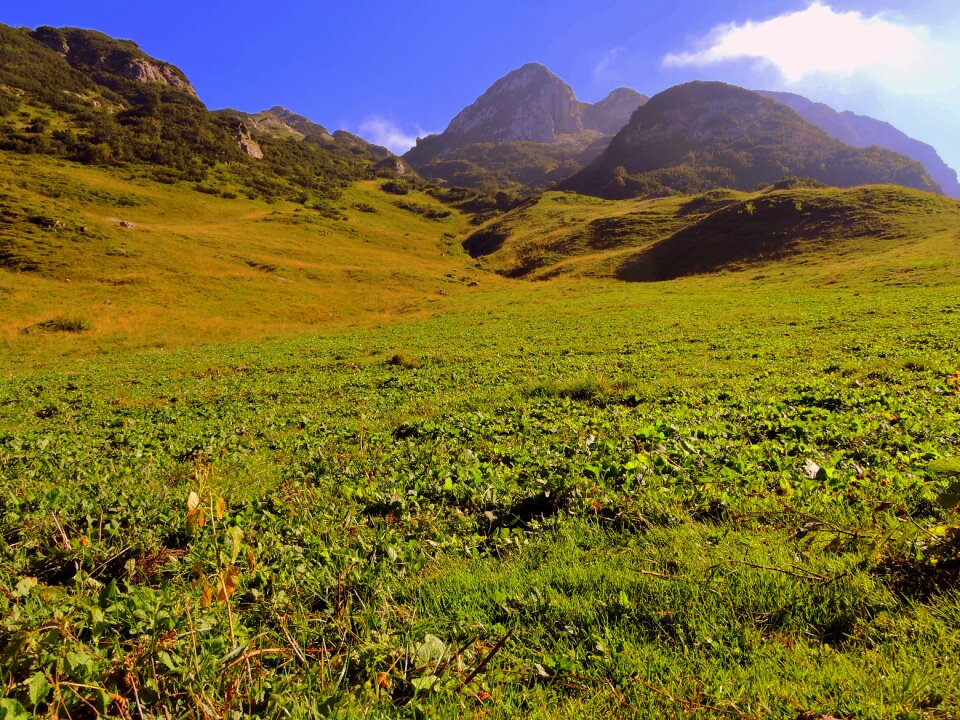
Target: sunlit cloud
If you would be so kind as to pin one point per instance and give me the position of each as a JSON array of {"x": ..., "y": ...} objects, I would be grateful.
[
  {"x": 877, "y": 64},
  {"x": 381, "y": 131},
  {"x": 824, "y": 43}
]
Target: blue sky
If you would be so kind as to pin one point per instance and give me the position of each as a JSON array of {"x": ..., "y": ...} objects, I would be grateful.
[{"x": 393, "y": 70}]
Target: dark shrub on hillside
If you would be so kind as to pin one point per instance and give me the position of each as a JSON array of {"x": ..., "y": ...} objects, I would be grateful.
[{"x": 395, "y": 187}]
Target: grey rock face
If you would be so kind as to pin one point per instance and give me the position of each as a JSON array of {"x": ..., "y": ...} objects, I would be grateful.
[
  {"x": 611, "y": 114},
  {"x": 532, "y": 104},
  {"x": 246, "y": 142},
  {"x": 528, "y": 104},
  {"x": 119, "y": 57}
]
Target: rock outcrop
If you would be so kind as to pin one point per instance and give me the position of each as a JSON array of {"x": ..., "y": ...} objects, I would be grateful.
[
  {"x": 246, "y": 142},
  {"x": 91, "y": 49},
  {"x": 391, "y": 167}
]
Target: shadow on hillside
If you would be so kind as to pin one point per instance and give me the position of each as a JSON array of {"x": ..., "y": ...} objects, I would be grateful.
[
  {"x": 756, "y": 231},
  {"x": 9, "y": 260},
  {"x": 485, "y": 242}
]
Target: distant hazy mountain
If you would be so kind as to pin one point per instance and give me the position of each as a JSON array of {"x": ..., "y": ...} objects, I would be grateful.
[
  {"x": 701, "y": 135},
  {"x": 527, "y": 129},
  {"x": 862, "y": 131}
]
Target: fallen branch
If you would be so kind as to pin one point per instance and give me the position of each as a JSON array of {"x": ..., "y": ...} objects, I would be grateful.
[
  {"x": 651, "y": 573},
  {"x": 796, "y": 572},
  {"x": 256, "y": 653},
  {"x": 483, "y": 663}
]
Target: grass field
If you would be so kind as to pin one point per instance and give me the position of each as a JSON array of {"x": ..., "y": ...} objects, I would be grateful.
[{"x": 722, "y": 496}]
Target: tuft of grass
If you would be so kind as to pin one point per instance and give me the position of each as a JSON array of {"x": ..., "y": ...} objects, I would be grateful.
[
  {"x": 586, "y": 387},
  {"x": 63, "y": 324},
  {"x": 916, "y": 364},
  {"x": 403, "y": 360}
]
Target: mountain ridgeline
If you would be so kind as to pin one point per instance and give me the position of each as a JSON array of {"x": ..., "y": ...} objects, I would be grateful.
[
  {"x": 84, "y": 96},
  {"x": 527, "y": 130},
  {"x": 861, "y": 131},
  {"x": 704, "y": 135}
]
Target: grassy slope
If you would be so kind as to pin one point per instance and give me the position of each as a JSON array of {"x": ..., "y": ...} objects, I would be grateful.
[
  {"x": 512, "y": 166},
  {"x": 610, "y": 472},
  {"x": 888, "y": 232},
  {"x": 553, "y": 234},
  {"x": 200, "y": 268},
  {"x": 386, "y": 502}
]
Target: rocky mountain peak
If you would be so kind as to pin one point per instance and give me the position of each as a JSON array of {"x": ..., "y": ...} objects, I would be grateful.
[
  {"x": 280, "y": 118},
  {"x": 530, "y": 103},
  {"x": 525, "y": 76},
  {"x": 530, "y": 108},
  {"x": 611, "y": 114}
]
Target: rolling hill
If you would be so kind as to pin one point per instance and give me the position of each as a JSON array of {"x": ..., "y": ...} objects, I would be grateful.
[{"x": 899, "y": 232}]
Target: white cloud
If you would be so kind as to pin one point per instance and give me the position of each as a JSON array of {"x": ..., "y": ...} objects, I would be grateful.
[
  {"x": 875, "y": 64},
  {"x": 605, "y": 68},
  {"x": 381, "y": 131},
  {"x": 822, "y": 42}
]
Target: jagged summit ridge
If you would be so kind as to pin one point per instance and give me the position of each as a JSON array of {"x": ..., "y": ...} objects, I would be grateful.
[
  {"x": 532, "y": 104},
  {"x": 862, "y": 131}
]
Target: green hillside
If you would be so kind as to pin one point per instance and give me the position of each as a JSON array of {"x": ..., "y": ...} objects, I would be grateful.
[
  {"x": 147, "y": 264},
  {"x": 891, "y": 229},
  {"x": 699, "y": 136}
]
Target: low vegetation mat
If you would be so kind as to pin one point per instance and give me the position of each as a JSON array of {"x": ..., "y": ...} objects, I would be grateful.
[{"x": 562, "y": 500}]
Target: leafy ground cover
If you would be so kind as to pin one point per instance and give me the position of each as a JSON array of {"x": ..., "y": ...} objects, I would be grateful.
[{"x": 714, "y": 497}]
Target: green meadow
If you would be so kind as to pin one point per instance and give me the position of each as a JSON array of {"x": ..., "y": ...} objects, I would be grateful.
[{"x": 315, "y": 464}]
